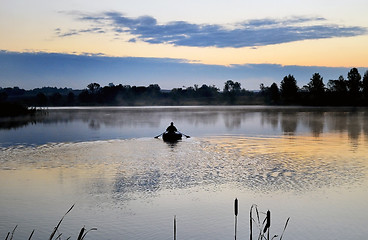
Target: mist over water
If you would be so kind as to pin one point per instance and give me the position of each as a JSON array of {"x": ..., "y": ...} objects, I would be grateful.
[{"x": 307, "y": 164}]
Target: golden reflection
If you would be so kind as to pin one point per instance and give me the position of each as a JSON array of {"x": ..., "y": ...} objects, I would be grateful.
[
  {"x": 122, "y": 167},
  {"x": 298, "y": 163},
  {"x": 302, "y": 147}
]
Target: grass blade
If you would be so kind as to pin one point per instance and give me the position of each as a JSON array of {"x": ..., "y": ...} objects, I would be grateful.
[
  {"x": 84, "y": 235},
  {"x": 31, "y": 235},
  {"x": 251, "y": 223},
  {"x": 92, "y": 229},
  {"x": 12, "y": 234},
  {"x": 57, "y": 226},
  {"x": 175, "y": 227},
  {"x": 287, "y": 221},
  {"x": 59, "y": 236}
]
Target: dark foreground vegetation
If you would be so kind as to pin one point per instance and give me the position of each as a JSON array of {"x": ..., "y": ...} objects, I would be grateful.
[
  {"x": 55, "y": 234},
  {"x": 352, "y": 91},
  {"x": 14, "y": 109},
  {"x": 257, "y": 228}
]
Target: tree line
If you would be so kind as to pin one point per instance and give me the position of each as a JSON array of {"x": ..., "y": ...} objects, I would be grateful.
[
  {"x": 352, "y": 91},
  {"x": 126, "y": 95}
]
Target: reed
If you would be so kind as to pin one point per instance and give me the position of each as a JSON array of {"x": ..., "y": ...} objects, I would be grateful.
[
  {"x": 12, "y": 234},
  {"x": 175, "y": 227},
  {"x": 58, "y": 225},
  {"x": 83, "y": 233},
  {"x": 236, "y": 211},
  {"x": 31, "y": 235},
  {"x": 265, "y": 226},
  {"x": 81, "y": 236}
]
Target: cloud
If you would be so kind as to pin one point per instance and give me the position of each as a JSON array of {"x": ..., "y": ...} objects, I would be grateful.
[{"x": 251, "y": 33}]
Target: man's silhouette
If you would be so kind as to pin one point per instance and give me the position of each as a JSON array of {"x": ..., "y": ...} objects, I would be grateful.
[{"x": 171, "y": 128}]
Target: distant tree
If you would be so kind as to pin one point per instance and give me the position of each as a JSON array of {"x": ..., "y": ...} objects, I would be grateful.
[
  {"x": 15, "y": 91},
  {"x": 231, "y": 86},
  {"x": 70, "y": 98},
  {"x": 289, "y": 88},
  {"x": 338, "y": 86},
  {"x": 316, "y": 89},
  {"x": 41, "y": 99},
  {"x": 365, "y": 86},
  {"x": 354, "y": 83},
  {"x": 93, "y": 87},
  {"x": 231, "y": 90},
  {"x": 3, "y": 96},
  {"x": 338, "y": 91},
  {"x": 263, "y": 88},
  {"x": 274, "y": 93},
  {"x": 316, "y": 85},
  {"x": 207, "y": 91},
  {"x": 56, "y": 98},
  {"x": 270, "y": 94},
  {"x": 354, "y": 86},
  {"x": 154, "y": 90},
  {"x": 85, "y": 97},
  {"x": 190, "y": 92}
]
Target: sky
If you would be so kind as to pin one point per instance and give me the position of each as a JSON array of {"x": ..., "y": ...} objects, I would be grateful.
[{"x": 179, "y": 43}]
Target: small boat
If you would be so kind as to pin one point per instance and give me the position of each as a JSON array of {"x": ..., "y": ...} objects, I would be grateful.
[{"x": 171, "y": 136}]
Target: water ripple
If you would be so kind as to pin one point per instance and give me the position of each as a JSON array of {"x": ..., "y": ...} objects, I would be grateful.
[{"x": 147, "y": 166}]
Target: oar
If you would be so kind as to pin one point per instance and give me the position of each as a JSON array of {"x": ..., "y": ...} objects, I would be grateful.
[
  {"x": 185, "y": 135},
  {"x": 158, "y": 135}
]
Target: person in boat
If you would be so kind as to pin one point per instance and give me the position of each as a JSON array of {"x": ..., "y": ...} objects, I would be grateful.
[{"x": 171, "y": 128}]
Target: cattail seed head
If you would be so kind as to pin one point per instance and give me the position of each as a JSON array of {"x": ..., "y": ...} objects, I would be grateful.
[{"x": 236, "y": 207}]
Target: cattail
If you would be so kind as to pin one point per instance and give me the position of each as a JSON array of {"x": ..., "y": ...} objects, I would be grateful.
[
  {"x": 268, "y": 224},
  {"x": 251, "y": 223},
  {"x": 236, "y": 207},
  {"x": 81, "y": 233},
  {"x": 236, "y": 211},
  {"x": 175, "y": 227}
]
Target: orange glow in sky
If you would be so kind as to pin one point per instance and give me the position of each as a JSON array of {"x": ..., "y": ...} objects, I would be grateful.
[{"x": 33, "y": 27}]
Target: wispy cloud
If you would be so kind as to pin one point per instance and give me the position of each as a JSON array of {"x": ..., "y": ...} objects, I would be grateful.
[{"x": 251, "y": 33}]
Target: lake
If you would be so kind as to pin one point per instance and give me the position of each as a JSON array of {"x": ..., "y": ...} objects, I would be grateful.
[{"x": 309, "y": 164}]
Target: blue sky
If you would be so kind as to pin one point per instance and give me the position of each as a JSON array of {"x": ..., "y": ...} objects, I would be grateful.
[
  {"x": 179, "y": 43},
  {"x": 30, "y": 70}
]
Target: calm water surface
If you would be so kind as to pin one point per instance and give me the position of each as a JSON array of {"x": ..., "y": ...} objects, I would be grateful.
[{"x": 309, "y": 164}]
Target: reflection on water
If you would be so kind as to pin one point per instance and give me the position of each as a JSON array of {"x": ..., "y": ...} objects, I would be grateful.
[
  {"x": 85, "y": 124},
  {"x": 309, "y": 165},
  {"x": 114, "y": 176},
  {"x": 294, "y": 163},
  {"x": 259, "y": 164}
]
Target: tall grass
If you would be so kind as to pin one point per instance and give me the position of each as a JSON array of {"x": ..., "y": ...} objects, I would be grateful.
[
  {"x": 55, "y": 232},
  {"x": 174, "y": 227},
  {"x": 236, "y": 211},
  {"x": 264, "y": 227}
]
